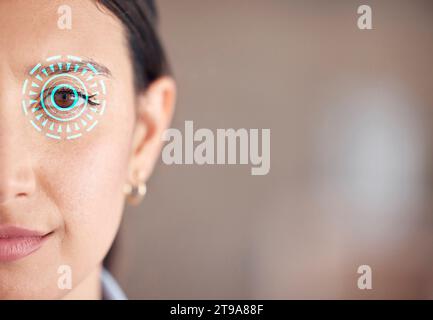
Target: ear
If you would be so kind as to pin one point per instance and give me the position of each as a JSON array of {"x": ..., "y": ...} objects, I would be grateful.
[{"x": 155, "y": 109}]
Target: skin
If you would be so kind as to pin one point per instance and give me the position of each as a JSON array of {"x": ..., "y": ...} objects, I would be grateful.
[{"x": 73, "y": 189}]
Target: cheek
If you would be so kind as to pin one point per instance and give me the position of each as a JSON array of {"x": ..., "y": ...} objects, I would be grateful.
[{"x": 85, "y": 184}]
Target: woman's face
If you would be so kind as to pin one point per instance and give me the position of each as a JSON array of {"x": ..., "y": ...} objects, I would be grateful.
[{"x": 71, "y": 191}]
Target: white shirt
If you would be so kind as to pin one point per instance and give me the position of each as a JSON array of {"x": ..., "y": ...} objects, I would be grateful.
[{"x": 110, "y": 288}]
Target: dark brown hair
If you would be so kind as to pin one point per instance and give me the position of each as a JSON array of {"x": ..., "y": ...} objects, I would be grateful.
[{"x": 140, "y": 19}]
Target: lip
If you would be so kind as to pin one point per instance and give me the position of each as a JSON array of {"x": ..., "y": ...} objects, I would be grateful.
[{"x": 17, "y": 243}]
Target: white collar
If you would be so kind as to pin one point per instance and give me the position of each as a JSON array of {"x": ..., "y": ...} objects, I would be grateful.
[{"x": 110, "y": 288}]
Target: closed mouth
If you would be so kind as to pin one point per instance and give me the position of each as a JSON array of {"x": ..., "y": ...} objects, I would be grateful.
[{"x": 17, "y": 243}]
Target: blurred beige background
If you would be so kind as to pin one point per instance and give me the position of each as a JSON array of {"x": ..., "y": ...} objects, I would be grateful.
[{"x": 350, "y": 114}]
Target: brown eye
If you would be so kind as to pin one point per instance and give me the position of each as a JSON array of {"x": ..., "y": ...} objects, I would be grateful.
[{"x": 64, "y": 99}]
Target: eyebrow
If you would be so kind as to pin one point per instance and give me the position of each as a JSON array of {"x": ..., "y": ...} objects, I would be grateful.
[{"x": 56, "y": 65}]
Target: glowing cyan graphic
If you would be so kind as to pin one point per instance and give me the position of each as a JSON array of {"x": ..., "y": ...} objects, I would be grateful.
[{"x": 64, "y": 97}]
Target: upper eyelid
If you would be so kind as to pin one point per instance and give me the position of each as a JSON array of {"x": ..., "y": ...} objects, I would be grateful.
[{"x": 50, "y": 89}]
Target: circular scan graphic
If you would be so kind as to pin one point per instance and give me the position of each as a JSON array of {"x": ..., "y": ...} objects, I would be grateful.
[{"x": 64, "y": 97}]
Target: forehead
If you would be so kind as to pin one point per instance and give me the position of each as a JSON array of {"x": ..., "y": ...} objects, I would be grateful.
[{"x": 31, "y": 30}]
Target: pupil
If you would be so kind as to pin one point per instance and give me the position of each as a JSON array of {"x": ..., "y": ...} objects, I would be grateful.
[{"x": 64, "y": 99}]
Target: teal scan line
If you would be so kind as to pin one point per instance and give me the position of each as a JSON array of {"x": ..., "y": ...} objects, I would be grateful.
[
  {"x": 74, "y": 58},
  {"x": 74, "y": 136},
  {"x": 43, "y": 103},
  {"x": 24, "y": 107},
  {"x": 53, "y": 136},
  {"x": 92, "y": 126},
  {"x": 35, "y": 125},
  {"x": 104, "y": 90},
  {"x": 35, "y": 68},
  {"x": 53, "y": 58},
  {"x": 91, "y": 67},
  {"x": 76, "y": 97},
  {"x": 25, "y": 86}
]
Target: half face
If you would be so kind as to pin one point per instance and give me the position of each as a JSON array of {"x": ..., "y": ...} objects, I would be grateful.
[{"x": 60, "y": 181}]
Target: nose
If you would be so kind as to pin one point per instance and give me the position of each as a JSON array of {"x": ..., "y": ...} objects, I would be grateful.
[{"x": 17, "y": 179}]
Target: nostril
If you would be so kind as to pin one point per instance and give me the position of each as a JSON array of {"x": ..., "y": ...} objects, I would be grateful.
[
  {"x": 8, "y": 194},
  {"x": 15, "y": 185}
]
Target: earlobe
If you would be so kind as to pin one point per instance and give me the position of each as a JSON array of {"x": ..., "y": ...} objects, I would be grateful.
[
  {"x": 135, "y": 193},
  {"x": 155, "y": 109}
]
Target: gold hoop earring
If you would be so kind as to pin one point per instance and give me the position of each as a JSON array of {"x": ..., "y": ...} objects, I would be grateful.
[{"x": 135, "y": 193}]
